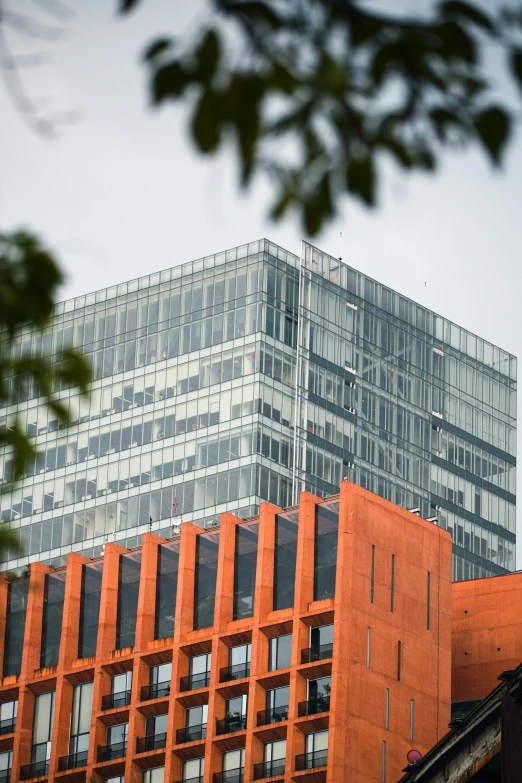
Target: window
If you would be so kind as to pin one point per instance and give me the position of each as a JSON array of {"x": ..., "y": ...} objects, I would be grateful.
[
  {"x": 392, "y": 584},
  {"x": 155, "y": 733},
  {"x": 372, "y": 577},
  {"x": 42, "y": 733},
  {"x": 316, "y": 749},
  {"x": 280, "y": 652},
  {"x": 383, "y": 763},
  {"x": 159, "y": 680},
  {"x": 117, "y": 739},
  {"x": 15, "y": 626},
  {"x": 121, "y": 685},
  {"x": 89, "y": 609},
  {"x": 239, "y": 661},
  {"x": 128, "y": 589},
  {"x": 274, "y": 755},
  {"x": 277, "y": 704},
  {"x": 117, "y": 779},
  {"x": 54, "y": 593},
  {"x": 325, "y": 549},
  {"x": 6, "y": 763},
  {"x": 399, "y": 660},
  {"x": 387, "y": 710},
  {"x": 412, "y": 719},
  {"x": 321, "y": 643},
  {"x": 233, "y": 766},
  {"x": 195, "y": 723},
  {"x": 205, "y": 580},
  {"x": 235, "y": 714},
  {"x": 199, "y": 670},
  {"x": 8, "y": 713},
  {"x": 155, "y": 775},
  {"x": 245, "y": 569},
  {"x": 368, "y": 646},
  {"x": 81, "y": 722},
  {"x": 318, "y": 696},
  {"x": 193, "y": 770},
  {"x": 166, "y": 590},
  {"x": 428, "y": 602},
  {"x": 285, "y": 559}
]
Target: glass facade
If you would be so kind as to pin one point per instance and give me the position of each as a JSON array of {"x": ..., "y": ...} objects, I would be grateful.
[
  {"x": 166, "y": 590},
  {"x": 285, "y": 555},
  {"x": 89, "y": 608},
  {"x": 205, "y": 580},
  {"x": 250, "y": 375},
  {"x": 128, "y": 587},
  {"x": 52, "y": 619},
  {"x": 16, "y": 609},
  {"x": 245, "y": 563},
  {"x": 325, "y": 550}
]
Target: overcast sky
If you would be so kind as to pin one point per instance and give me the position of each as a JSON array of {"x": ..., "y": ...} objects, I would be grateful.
[{"x": 121, "y": 194}]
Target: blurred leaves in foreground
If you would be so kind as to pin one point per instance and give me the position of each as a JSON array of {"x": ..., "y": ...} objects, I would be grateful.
[{"x": 318, "y": 93}]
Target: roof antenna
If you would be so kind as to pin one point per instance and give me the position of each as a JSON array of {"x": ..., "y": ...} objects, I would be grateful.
[{"x": 340, "y": 245}]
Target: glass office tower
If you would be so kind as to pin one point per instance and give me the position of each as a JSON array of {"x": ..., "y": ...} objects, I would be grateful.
[{"x": 251, "y": 375}]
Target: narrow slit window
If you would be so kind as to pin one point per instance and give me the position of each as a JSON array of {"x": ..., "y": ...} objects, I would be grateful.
[
  {"x": 428, "y": 602},
  {"x": 399, "y": 661},
  {"x": 387, "y": 710},
  {"x": 392, "y": 588},
  {"x": 372, "y": 587},
  {"x": 383, "y": 775},
  {"x": 368, "y": 646},
  {"x": 412, "y": 720}
]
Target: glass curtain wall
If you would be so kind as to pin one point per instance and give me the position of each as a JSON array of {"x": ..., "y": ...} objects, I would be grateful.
[
  {"x": 42, "y": 733},
  {"x": 16, "y": 610},
  {"x": 128, "y": 589},
  {"x": 325, "y": 551},
  {"x": 89, "y": 609},
  {"x": 81, "y": 722},
  {"x": 166, "y": 589},
  {"x": 245, "y": 562},
  {"x": 207, "y": 547},
  {"x": 54, "y": 595},
  {"x": 285, "y": 559}
]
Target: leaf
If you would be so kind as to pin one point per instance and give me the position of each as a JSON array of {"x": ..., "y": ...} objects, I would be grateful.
[
  {"x": 156, "y": 47},
  {"x": 360, "y": 179},
  {"x": 466, "y": 11},
  {"x": 169, "y": 82},
  {"x": 208, "y": 55},
  {"x": 493, "y": 126},
  {"x": 128, "y": 5},
  {"x": 257, "y": 12},
  {"x": 516, "y": 65},
  {"x": 206, "y": 123}
]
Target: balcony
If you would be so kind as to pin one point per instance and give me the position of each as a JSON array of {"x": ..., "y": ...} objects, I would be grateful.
[
  {"x": 37, "y": 769},
  {"x": 269, "y": 769},
  {"x": 317, "y": 758},
  {"x": 191, "y": 733},
  {"x": 72, "y": 761},
  {"x": 194, "y": 681},
  {"x": 5, "y": 776},
  {"x": 313, "y": 706},
  {"x": 235, "y": 672},
  {"x": 113, "y": 700},
  {"x": 273, "y": 715},
  {"x": 229, "y": 776},
  {"x": 318, "y": 653},
  {"x": 151, "y": 742},
  {"x": 158, "y": 690},
  {"x": 7, "y": 727},
  {"x": 232, "y": 723},
  {"x": 111, "y": 752}
]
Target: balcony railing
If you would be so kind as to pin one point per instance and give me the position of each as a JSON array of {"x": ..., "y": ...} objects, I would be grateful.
[
  {"x": 194, "y": 681},
  {"x": 5, "y": 776},
  {"x": 235, "y": 672},
  {"x": 317, "y": 758},
  {"x": 269, "y": 769},
  {"x": 72, "y": 761},
  {"x": 229, "y": 776},
  {"x": 190, "y": 780},
  {"x": 112, "y": 700},
  {"x": 158, "y": 690},
  {"x": 110, "y": 752},
  {"x": 232, "y": 723},
  {"x": 318, "y": 653},
  {"x": 151, "y": 742},
  {"x": 35, "y": 770},
  {"x": 313, "y": 706},
  {"x": 7, "y": 726},
  {"x": 273, "y": 715},
  {"x": 191, "y": 733}
]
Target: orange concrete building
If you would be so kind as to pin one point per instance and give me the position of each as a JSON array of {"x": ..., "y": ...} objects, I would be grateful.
[
  {"x": 306, "y": 644},
  {"x": 486, "y": 635}
]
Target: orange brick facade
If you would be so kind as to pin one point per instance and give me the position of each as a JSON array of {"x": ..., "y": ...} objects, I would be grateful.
[
  {"x": 487, "y": 633},
  {"x": 372, "y": 619}
]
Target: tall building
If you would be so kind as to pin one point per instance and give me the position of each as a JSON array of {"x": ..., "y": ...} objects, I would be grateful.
[
  {"x": 255, "y": 374},
  {"x": 311, "y": 644}
]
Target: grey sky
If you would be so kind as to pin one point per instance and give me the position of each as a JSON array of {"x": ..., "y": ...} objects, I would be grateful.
[{"x": 121, "y": 193}]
